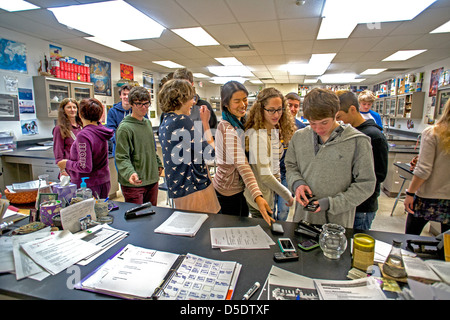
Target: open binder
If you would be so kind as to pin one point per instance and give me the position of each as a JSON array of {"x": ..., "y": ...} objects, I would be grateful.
[{"x": 140, "y": 273}]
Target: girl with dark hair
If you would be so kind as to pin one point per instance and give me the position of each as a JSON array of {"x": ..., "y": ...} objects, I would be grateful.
[
  {"x": 89, "y": 152},
  {"x": 64, "y": 133},
  {"x": 233, "y": 173}
]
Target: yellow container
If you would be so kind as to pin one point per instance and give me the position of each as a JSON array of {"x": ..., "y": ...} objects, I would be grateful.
[{"x": 363, "y": 251}]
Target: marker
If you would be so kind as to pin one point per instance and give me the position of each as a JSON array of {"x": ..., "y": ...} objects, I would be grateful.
[{"x": 251, "y": 291}]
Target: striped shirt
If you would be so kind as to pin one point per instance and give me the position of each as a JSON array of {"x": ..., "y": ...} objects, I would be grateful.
[{"x": 233, "y": 172}]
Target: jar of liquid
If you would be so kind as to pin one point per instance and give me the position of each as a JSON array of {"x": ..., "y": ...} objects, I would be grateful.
[
  {"x": 332, "y": 240},
  {"x": 394, "y": 266},
  {"x": 363, "y": 251}
]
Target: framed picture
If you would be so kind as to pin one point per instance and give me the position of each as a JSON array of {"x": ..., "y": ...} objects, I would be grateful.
[
  {"x": 9, "y": 107},
  {"x": 44, "y": 197}
]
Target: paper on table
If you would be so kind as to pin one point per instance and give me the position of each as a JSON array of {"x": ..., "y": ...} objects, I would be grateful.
[
  {"x": 240, "y": 238},
  {"x": 71, "y": 215},
  {"x": 58, "y": 252},
  {"x": 38, "y": 148},
  {"x": 359, "y": 289},
  {"x": 182, "y": 224}
]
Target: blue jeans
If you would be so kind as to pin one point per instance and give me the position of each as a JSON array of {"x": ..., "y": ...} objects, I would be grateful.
[
  {"x": 282, "y": 209},
  {"x": 363, "y": 220}
]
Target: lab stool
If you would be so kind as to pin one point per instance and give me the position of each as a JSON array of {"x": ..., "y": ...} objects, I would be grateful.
[
  {"x": 399, "y": 195},
  {"x": 163, "y": 187}
]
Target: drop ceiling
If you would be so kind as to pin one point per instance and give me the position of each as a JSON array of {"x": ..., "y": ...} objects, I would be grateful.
[{"x": 277, "y": 32}]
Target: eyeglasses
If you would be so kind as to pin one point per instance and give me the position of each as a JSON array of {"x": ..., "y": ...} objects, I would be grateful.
[
  {"x": 272, "y": 111},
  {"x": 142, "y": 104}
]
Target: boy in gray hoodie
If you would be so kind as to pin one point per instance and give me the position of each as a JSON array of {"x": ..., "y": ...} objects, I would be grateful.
[{"x": 331, "y": 161}]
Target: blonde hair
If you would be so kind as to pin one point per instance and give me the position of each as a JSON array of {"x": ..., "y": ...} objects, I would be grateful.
[
  {"x": 174, "y": 94},
  {"x": 367, "y": 96},
  {"x": 442, "y": 128},
  {"x": 255, "y": 118}
]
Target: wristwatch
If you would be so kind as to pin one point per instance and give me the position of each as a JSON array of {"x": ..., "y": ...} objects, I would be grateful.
[{"x": 412, "y": 194}]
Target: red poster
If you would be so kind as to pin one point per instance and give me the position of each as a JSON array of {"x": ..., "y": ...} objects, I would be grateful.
[{"x": 126, "y": 72}]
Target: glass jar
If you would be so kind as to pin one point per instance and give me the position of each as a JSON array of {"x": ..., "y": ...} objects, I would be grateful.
[
  {"x": 332, "y": 240},
  {"x": 363, "y": 251},
  {"x": 394, "y": 266}
]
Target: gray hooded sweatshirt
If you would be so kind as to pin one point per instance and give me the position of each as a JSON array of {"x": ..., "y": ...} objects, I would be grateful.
[{"x": 341, "y": 174}]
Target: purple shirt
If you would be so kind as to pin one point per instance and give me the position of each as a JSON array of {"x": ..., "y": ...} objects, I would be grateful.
[
  {"x": 89, "y": 156},
  {"x": 61, "y": 146}
]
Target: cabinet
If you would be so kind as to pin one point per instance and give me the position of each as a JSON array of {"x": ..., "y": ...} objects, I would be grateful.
[
  {"x": 49, "y": 92},
  {"x": 391, "y": 106},
  {"x": 410, "y": 105}
]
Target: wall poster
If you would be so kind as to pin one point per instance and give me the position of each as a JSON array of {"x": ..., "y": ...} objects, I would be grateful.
[
  {"x": 100, "y": 75},
  {"x": 13, "y": 56}
]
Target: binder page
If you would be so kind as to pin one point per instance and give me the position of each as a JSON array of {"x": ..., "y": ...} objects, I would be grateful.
[
  {"x": 134, "y": 272},
  {"x": 182, "y": 224}
]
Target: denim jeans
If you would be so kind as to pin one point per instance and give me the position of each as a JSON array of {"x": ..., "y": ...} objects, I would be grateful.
[
  {"x": 281, "y": 207},
  {"x": 363, "y": 220}
]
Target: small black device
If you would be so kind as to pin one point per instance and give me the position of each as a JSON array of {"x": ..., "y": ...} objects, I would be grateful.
[
  {"x": 139, "y": 211},
  {"x": 310, "y": 206},
  {"x": 277, "y": 228},
  {"x": 308, "y": 229},
  {"x": 286, "y": 245},
  {"x": 285, "y": 256},
  {"x": 308, "y": 244}
]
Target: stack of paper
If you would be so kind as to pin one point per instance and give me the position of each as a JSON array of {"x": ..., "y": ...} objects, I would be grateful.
[
  {"x": 182, "y": 224},
  {"x": 240, "y": 238}
]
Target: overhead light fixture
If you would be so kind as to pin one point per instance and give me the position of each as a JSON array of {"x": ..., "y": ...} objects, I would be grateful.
[
  {"x": 372, "y": 71},
  {"x": 169, "y": 64},
  {"x": 196, "y": 36},
  {"x": 340, "y": 78},
  {"x": 16, "y": 5},
  {"x": 317, "y": 65},
  {"x": 310, "y": 80},
  {"x": 338, "y": 21},
  {"x": 444, "y": 28},
  {"x": 256, "y": 81},
  {"x": 403, "y": 55},
  {"x": 107, "y": 15},
  {"x": 223, "y": 80},
  {"x": 115, "y": 44},
  {"x": 230, "y": 61},
  {"x": 231, "y": 71},
  {"x": 200, "y": 75}
]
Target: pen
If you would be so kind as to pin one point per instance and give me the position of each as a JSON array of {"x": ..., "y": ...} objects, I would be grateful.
[
  {"x": 251, "y": 291},
  {"x": 106, "y": 199}
]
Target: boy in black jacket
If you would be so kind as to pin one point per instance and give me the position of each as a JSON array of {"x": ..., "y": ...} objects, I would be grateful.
[{"x": 349, "y": 113}]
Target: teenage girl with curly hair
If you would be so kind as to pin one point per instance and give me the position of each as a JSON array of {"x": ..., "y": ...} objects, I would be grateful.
[{"x": 268, "y": 126}]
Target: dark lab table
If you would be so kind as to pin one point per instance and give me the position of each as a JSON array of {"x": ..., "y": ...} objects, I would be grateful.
[{"x": 255, "y": 263}]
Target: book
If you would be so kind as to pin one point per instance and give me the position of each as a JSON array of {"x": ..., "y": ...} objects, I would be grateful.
[{"x": 140, "y": 273}]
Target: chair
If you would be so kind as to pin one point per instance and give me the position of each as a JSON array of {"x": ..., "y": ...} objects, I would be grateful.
[{"x": 163, "y": 187}]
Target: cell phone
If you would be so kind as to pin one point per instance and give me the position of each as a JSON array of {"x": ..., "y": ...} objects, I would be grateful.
[
  {"x": 277, "y": 228},
  {"x": 286, "y": 245},
  {"x": 285, "y": 256},
  {"x": 308, "y": 244},
  {"x": 310, "y": 206}
]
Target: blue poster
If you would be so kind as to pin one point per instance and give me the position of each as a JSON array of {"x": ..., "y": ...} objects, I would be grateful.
[
  {"x": 100, "y": 75},
  {"x": 13, "y": 56}
]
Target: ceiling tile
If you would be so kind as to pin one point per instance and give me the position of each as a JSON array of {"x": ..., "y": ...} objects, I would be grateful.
[
  {"x": 262, "y": 31},
  {"x": 299, "y": 29}
]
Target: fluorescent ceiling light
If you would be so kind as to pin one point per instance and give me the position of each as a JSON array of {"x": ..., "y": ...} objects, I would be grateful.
[
  {"x": 231, "y": 71},
  {"x": 318, "y": 64},
  {"x": 200, "y": 75},
  {"x": 339, "y": 20},
  {"x": 373, "y": 71},
  {"x": 115, "y": 44},
  {"x": 444, "y": 28},
  {"x": 231, "y": 61},
  {"x": 16, "y": 5},
  {"x": 403, "y": 55},
  {"x": 169, "y": 64},
  {"x": 311, "y": 80},
  {"x": 197, "y": 36},
  {"x": 223, "y": 80},
  {"x": 339, "y": 78},
  {"x": 105, "y": 25},
  {"x": 256, "y": 81}
]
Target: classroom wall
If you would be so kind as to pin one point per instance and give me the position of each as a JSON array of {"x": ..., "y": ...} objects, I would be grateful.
[{"x": 36, "y": 48}]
